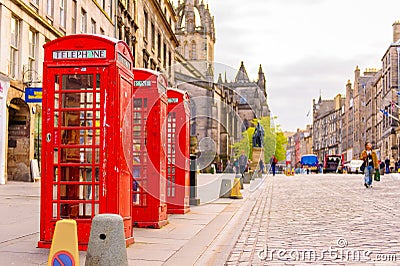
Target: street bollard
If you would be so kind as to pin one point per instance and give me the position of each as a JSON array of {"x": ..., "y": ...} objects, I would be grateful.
[
  {"x": 246, "y": 178},
  {"x": 251, "y": 173},
  {"x": 225, "y": 189},
  {"x": 107, "y": 241},
  {"x": 193, "y": 200},
  {"x": 235, "y": 193},
  {"x": 64, "y": 246}
]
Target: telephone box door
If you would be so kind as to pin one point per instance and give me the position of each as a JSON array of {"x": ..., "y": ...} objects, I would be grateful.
[{"x": 72, "y": 147}]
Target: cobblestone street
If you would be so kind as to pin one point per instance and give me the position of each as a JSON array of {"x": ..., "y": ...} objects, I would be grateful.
[{"x": 322, "y": 220}]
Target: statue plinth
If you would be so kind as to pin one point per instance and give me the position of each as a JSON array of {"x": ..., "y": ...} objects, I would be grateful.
[{"x": 258, "y": 154}]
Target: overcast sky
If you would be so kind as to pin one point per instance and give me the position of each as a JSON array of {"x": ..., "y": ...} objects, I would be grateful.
[{"x": 305, "y": 46}]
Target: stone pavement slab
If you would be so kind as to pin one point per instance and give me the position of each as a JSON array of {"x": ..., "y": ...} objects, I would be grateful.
[
  {"x": 183, "y": 241},
  {"x": 322, "y": 220}
]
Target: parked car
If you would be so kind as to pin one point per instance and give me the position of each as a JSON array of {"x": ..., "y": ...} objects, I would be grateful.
[{"x": 354, "y": 166}]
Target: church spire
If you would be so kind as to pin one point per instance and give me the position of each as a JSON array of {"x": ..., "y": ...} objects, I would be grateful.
[
  {"x": 220, "y": 79},
  {"x": 241, "y": 76},
  {"x": 261, "y": 80},
  {"x": 210, "y": 73}
]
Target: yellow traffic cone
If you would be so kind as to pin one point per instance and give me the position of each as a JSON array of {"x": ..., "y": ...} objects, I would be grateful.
[{"x": 235, "y": 192}]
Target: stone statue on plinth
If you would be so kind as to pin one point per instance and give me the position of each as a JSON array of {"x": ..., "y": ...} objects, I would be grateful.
[
  {"x": 258, "y": 150},
  {"x": 258, "y": 136}
]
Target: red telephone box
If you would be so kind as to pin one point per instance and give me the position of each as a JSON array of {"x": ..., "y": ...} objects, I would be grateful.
[
  {"x": 178, "y": 151},
  {"x": 149, "y": 158},
  {"x": 87, "y": 87}
]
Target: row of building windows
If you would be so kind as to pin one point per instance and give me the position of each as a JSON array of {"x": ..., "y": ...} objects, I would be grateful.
[
  {"x": 15, "y": 47},
  {"x": 105, "y": 5},
  {"x": 327, "y": 142},
  {"x": 16, "y": 34},
  {"x": 79, "y": 21},
  {"x": 158, "y": 46},
  {"x": 386, "y": 61}
]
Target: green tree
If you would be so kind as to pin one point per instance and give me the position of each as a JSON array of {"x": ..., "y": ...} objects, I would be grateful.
[
  {"x": 245, "y": 144},
  {"x": 274, "y": 140}
]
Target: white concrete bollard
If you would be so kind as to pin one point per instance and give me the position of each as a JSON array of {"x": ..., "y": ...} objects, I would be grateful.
[{"x": 107, "y": 241}]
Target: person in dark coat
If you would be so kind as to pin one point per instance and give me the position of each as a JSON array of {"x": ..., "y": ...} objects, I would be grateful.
[
  {"x": 387, "y": 165},
  {"x": 242, "y": 163},
  {"x": 273, "y": 163}
]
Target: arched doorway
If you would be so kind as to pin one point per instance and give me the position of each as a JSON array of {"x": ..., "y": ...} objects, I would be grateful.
[{"x": 18, "y": 141}]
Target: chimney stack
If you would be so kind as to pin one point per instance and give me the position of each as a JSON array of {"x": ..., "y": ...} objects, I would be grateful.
[{"x": 396, "y": 31}]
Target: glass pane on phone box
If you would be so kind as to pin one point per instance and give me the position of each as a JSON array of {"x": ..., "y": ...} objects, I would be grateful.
[
  {"x": 97, "y": 156},
  {"x": 70, "y": 118},
  {"x": 55, "y": 210},
  {"x": 86, "y": 174},
  {"x": 75, "y": 82},
  {"x": 97, "y": 173},
  {"x": 55, "y": 177},
  {"x": 71, "y": 100},
  {"x": 96, "y": 192},
  {"x": 56, "y": 117},
  {"x": 55, "y": 194}
]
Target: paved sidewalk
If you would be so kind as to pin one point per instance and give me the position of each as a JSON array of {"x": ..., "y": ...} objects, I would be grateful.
[
  {"x": 202, "y": 237},
  {"x": 322, "y": 220}
]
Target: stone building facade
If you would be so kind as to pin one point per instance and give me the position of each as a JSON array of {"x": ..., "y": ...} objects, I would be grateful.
[
  {"x": 155, "y": 40},
  {"x": 146, "y": 26},
  {"x": 347, "y": 123},
  {"x": 371, "y": 108},
  {"x": 214, "y": 106},
  {"x": 220, "y": 109},
  {"x": 195, "y": 31},
  {"x": 299, "y": 143},
  {"x": 360, "y": 112},
  {"x": 390, "y": 138},
  {"x": 373, "y": 98},
  {"x": 26, "y": 26},
  {"x": 306, "y": 140},
  {"x": 177, "y": 40},
  {"x": 252, "y": 94},
  {"x": 376, "y": 106},
  {"x": 327, "y": 122},
  {"x": 377, "y": 120}
]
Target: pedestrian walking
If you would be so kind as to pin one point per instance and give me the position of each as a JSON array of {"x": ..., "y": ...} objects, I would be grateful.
[
  {"x": 213, "y": 168},
  {"x": 219, "y": 166},
  {"x": 236, "y": 166},
  {"x": 261, "y": 164},
  {"x": 371, "y": 164},
  {"x": 229, "y": 167},
  {"x": 273, "y": 163},
  {"x": 242, "y": 163},
  {"x": 387, "y": 165}
]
